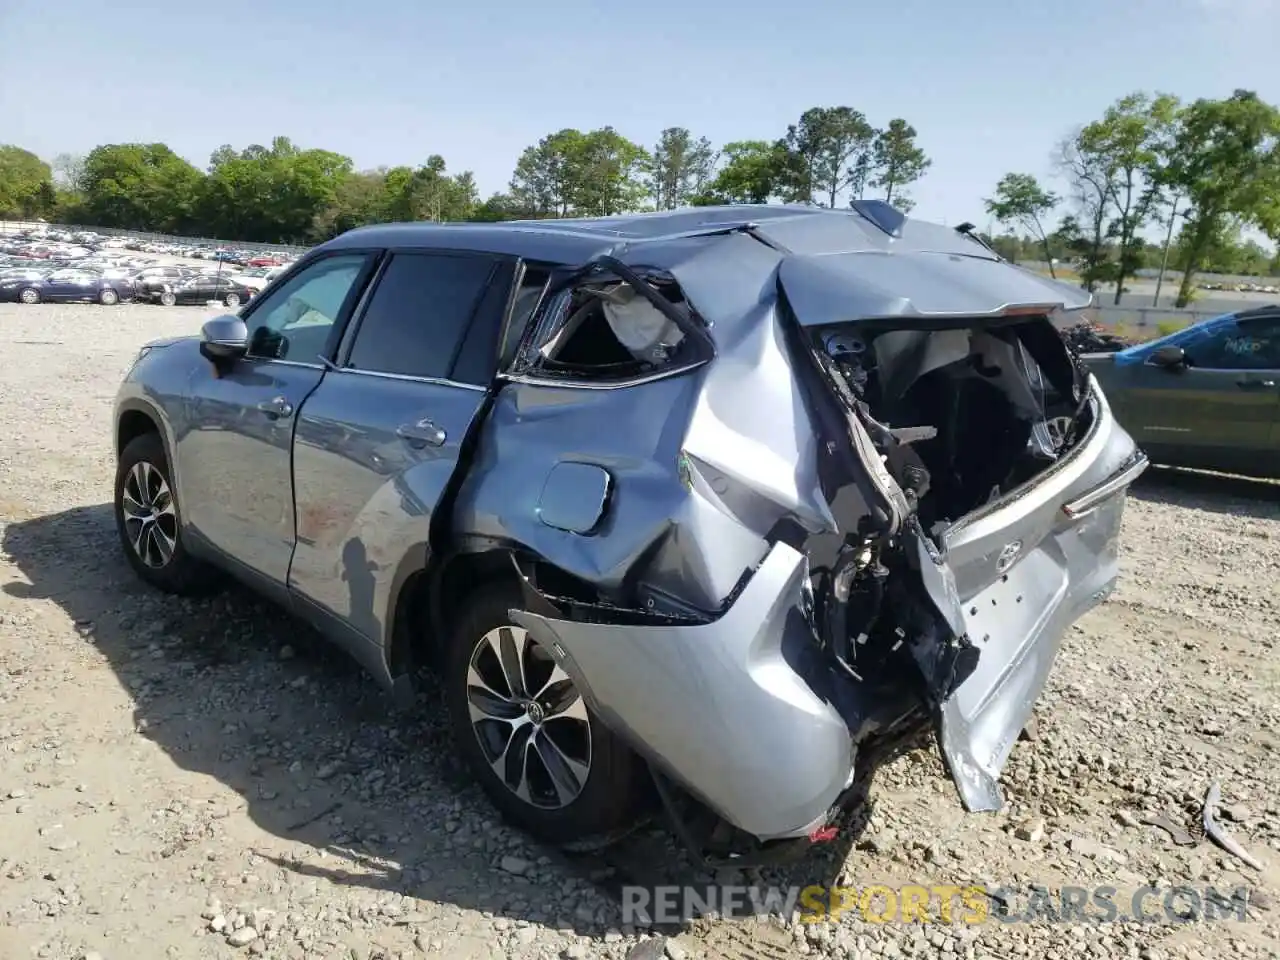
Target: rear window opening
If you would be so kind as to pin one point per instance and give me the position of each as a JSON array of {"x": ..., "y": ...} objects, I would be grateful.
[
  {"x": 610, "y": 330},
  {"x": 977, "y": 411}
]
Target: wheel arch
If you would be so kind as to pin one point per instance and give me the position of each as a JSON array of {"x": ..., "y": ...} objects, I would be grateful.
[
  {"x": 429, "y": 593},
  {"x": 135, "y": 417}
]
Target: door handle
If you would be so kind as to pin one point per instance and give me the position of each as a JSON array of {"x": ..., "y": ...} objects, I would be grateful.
[
  {"x": 276, "y": 407},
  {"x": 424, "y": 432}
]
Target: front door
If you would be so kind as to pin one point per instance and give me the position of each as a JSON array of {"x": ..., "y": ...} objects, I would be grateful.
[
  {"x": 379, "y": 441},
  {"x": 236, "y": 456}
]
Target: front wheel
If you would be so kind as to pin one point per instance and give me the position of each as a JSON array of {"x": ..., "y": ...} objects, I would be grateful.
[
  {"x": 147, "y": 519},
  {"x": 523, "y": 728},
  {"x": 29, "y": 295},
  {"x": 168, "y": 299},
  {"x": 232, "y": 300},
  {"x": 108, "y": 297}
]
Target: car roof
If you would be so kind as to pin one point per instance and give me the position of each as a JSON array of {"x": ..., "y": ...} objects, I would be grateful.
[{"x": 792, "y": 228}]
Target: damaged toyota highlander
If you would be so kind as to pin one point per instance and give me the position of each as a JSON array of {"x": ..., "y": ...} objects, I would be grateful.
[{"x": 706, "y": 510}]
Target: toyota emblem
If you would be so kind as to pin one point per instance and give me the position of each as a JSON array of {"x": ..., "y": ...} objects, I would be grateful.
[{"x": 1008, "y": 555}]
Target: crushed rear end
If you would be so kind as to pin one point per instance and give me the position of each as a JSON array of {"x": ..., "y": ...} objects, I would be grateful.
[{"x": 875, "y": 502}]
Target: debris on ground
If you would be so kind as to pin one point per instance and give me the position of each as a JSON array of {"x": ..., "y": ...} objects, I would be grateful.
[{"x": 1219, "y": 835}]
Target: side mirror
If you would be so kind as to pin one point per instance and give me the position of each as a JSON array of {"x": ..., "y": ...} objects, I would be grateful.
[
  {"x": 1170, "y": 357},
  {"x": 224, "y": 339}
]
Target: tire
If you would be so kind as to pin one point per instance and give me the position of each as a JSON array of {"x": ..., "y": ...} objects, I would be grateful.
[
  {"x": 108, "y": 297},
  {"x": 29, "y": 295},
  {"x": 231, "y": 300},
  {"x": 154, "y": 548},
  {"x": 605, "y": 804},
  {"x": 168, "y": 299}
]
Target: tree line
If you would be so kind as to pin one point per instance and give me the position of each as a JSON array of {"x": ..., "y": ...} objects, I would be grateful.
[
  {"x": 287, "y": 194},
  {"x": 1196, "y": 174}
]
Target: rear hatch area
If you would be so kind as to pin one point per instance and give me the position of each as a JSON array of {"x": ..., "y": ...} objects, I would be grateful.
[{"x": 1000, "y": 478}]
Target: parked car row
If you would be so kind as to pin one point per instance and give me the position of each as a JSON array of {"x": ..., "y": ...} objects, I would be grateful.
[
  {"x": 71, "y": 244},
  {"x": 81, "y": 267},
  {"x": 1245, "y": 287},
  {"x": 168, "y": 285}
]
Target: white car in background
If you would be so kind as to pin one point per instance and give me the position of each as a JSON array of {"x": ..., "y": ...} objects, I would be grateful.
[{"x": 256, "y": 278}]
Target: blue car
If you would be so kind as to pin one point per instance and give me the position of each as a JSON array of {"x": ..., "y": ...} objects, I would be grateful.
[{"x": 62, "y": 286}]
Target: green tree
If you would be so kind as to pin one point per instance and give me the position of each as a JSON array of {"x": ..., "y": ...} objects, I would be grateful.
[
  {"x": 360, "y": 199},
  {"x": 1020, "y": 199},
  {"x": 605, "y": 170},
  {"x": 429, "y": 193},
  {"x": 680, "y": 168},
  {"x": 896, "y": 160},
  {"x": 1088, "y": 174},
  {"x": 859, "y": 175},
  {"x": 68, "y": 172},
  {"x": 823, "y": 147},
  {"x": 140, "y": 186},
  {"x": 1126, "y": 140},
  {"x": 752, "y": 172},
  {"x": 1226, "y": 161},
  {"x": 499, "y": 206},
  {"x": 26, "y": 184},
  {"x": 271, "y": 194},
  {"x": 542, "y": 182}
]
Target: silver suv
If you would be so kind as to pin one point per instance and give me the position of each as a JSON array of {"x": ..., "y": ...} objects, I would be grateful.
[{"x": 726, "y": 501}]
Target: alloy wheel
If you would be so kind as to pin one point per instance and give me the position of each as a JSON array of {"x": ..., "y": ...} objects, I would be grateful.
[
  {"x": 233, "y": 300},
  {"x": 150, "y": 519},
  {"x": 108, "y": 298},
  {"x": 529, "y": 719},
  {"x": 29, "y": 296}
]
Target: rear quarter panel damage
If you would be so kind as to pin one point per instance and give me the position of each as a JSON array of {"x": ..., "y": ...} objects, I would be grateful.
[{"x": 722, "y": 706}]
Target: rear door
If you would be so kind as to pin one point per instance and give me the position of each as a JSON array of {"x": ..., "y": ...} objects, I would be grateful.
[{"x": 379, "y": 441}]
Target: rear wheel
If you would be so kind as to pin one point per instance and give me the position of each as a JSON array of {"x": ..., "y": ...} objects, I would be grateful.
[
  {"x": 108, "y": 297},
  {"x": 168, "y": 299},
  {"x": 147, "y": 520},
  {"x": 29, "y": 295},
  {"x": 520, "y": 723}
]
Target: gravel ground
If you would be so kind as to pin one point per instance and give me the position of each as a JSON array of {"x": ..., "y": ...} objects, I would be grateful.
[{"x": 203, "y": 779}]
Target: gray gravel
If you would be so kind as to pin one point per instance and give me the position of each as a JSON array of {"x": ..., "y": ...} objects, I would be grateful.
[{"x": 205, "y": 779}]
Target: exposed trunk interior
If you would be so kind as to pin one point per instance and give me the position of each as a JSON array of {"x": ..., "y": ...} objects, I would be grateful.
[
  {"x": 976, "y": 410},
  {"x": 962, "y": 413}
]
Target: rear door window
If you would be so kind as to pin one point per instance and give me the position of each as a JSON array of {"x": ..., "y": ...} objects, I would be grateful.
[{"x": 419, "y": 314}]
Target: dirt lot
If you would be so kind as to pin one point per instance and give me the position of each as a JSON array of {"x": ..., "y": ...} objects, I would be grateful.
[{"x": 174, "y": 773}]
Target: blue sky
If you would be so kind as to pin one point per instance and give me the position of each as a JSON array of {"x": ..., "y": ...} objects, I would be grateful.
[{"x": 990, "y": 85}]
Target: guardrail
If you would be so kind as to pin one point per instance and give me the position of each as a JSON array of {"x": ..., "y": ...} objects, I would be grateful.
[{"x": 17, "y": 226}]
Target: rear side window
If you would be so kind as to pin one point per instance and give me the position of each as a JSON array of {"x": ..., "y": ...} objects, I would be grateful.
[{"x": 419, "y": 314}]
